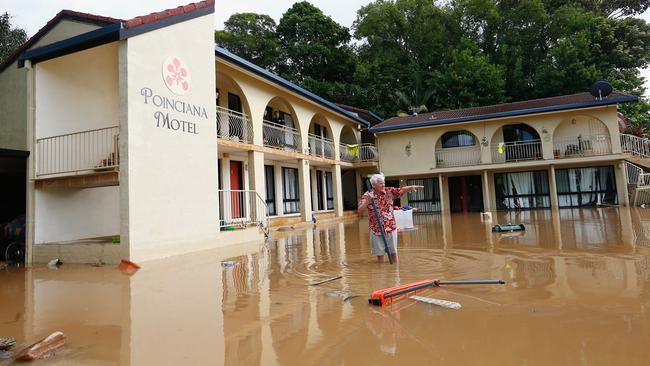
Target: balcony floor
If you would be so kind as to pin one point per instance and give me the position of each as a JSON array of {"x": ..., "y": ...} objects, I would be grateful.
[{"x": 98, "y": 179}]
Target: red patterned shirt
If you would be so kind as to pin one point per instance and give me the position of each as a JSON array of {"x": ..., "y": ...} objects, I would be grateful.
[{"x": 384, "y": 203}]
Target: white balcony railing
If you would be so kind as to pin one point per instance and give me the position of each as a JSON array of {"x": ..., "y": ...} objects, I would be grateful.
[
  {"x": 458, "y": 156},
  {"x": 234, "y": 126},
  {"x": 79, "y": 152},
  {"x": 281, "y": 137},
  {"x": 321, "y": 146},
  {"x": 239, "y": 209},
  {"x": 582, "y": 146},
  {"x": 635, "y": 145},
  {"x": 517, "y": 151},
  {"x": 358, "y": 153}
]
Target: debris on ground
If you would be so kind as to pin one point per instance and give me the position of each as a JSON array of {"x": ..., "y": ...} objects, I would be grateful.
[
  {"x": 54, "y": 263},
  {"x": 6, "y": 343},
  {"x": 228, "y": 263},
  {"x": 128, "y": 267},
  {"x": 325, "y": 281},
  {"x": 444, "y": 303},
  {"x": 43, "y": 349}
]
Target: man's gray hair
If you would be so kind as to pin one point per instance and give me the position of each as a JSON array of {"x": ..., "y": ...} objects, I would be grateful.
[{"x": 375, "y": 178}]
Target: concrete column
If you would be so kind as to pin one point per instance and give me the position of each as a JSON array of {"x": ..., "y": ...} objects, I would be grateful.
[
  {"x": 314, "y": 189},
  {"x": 552, "y": 187},
  {"x": 279, "y": 195},
  {"x": 256, "y": 180},
  {"x": 444, "y": 192},
  {"x": 30, "y": 188},
  {"x": 621, "y": 183},
  {"x": 338, "y": 190},
  {"x": 303, "y": 181},
  {"x": 487, "y": 202}
]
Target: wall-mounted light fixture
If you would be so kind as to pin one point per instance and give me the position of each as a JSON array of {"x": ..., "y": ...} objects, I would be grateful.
[{"x": 484, "y": 141}]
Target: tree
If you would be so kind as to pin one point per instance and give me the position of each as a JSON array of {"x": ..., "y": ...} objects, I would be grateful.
[
  {"x": 10, "y": 37},
  {"x": 314, "y": 46},
  {"x": 252, "y": 37}
]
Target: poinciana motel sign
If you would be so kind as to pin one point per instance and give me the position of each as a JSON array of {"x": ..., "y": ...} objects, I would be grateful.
[{"x": 176, "y": 76}]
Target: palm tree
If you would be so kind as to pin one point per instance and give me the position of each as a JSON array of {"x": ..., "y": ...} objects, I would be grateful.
[{"x": 415, "y": 100}]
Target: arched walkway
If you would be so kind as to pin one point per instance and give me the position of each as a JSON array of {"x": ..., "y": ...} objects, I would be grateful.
[
  {"x": 233, "y": 111},
  {"x": 516, "y": 142},
  {"x": 320, "y": 137},
  {"x": 281, "y": 128},
  {"x": 581, "y": 136},
  {"x": 457, "y": 148}
]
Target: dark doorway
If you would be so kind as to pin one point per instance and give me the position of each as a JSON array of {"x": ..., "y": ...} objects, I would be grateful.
[
  {"x": 319, "y": 190},
  {"x": 466, "y": 194},
  {"x": 13, "y": 182}
]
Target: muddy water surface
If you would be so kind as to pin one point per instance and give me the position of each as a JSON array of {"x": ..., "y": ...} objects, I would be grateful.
[{"x": 577, "y": 293}]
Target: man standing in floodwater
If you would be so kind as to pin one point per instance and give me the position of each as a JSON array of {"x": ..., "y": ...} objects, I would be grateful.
[{"x": 383, "y": 198}]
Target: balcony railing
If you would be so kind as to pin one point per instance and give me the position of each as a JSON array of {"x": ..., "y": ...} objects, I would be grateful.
[
  {"x": 635, "y": 145},
  {"x": 517, "y": 151},
  {"x": 582, "y": 146},
  {"x": 234, "y": 126},
  {"x": 281, "y": 137},
  {"x": 79, "y": 152},
  {"x": 240, "y": 209},
  {"x": 321, "y": 146},
  {"x": 359, "y": 153},
  {"x": 459, "y": 156}
]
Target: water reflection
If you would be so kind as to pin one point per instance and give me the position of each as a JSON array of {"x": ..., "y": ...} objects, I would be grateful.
[{"x": 577, "y": 283}]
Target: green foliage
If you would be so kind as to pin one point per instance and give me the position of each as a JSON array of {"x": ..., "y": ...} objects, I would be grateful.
[
  {"x": 10, "y": 37},
  {"x": 251, "y": 36}
]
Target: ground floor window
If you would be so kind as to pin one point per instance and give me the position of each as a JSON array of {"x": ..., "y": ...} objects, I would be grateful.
[
  {"x": 426, "y": 199},
  {"x": 586, "y": 186},
  {"x": 522, "y": 190},
  {"x": 329, "y": 190},
  {"x": 269, "y": 175},
  {"x": 291, "y": 191}
]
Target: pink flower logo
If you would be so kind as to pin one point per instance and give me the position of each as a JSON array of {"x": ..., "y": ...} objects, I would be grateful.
[{"x": 176, "y": 75}]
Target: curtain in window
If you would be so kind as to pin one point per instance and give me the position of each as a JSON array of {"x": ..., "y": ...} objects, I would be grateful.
[
  {"x": 291, "y": 191},
  {"x": 522, "y": 190},
  {"x": 329, "y": 190},
  {"x": 586, "y": 186},
  {"x": 426, "y": 199},
  {"x": 269, "y": 175}
]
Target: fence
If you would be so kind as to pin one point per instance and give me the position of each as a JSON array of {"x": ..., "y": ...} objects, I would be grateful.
[
  {"x": 582, "y": 146},
  {"x": 321, "y": 146},
  {"x": 281, "y": 137},
  {"x": 239, "y": 209},
  {"x": 235, "y": 126},
  {"x": 460, "y": 156},
  {"x": 359, "y": 153},
  {"x": 517, "y": 151}
]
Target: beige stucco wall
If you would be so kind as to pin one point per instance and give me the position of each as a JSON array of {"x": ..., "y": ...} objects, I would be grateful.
[
  {"x": 13, "y": 104},
  {"x": 77, "y": 92},
  {"x": 169, "y": 193},
  {"x": 64, "y": 30},
  {"x": 412, "y": 152}
]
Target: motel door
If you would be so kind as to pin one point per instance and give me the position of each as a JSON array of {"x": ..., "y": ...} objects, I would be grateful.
[
  {"x": 236, "y": 184},
  {"x": 466, "y": 194}
]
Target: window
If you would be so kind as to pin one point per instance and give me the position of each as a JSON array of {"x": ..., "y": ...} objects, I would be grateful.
[
  {"x": 291, "y": 191},
  {"x": 427, "y": 199},
  {"x": 319, "y": 189},
  {"x": 269, "y": 175},
  {"x": 586, "y": 186},
  {"x": 329, "y": 189},
  {"x": 522, "y": 190},
  {"x": 458, "y": 139}
]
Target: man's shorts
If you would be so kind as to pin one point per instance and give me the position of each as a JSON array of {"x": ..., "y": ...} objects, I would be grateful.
[{"x": 377, "y": 243}]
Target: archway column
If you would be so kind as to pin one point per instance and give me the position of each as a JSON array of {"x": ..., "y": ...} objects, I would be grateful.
[
  {"x": 304, "y": 183},
  {"x": 338, "y": 190}
]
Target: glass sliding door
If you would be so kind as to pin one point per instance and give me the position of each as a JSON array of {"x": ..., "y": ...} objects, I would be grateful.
[
  {"x": 290, "y": 190},
  {"x": 522, "y": 190},
  {"x": 269, "y": 175},
  {"x": 591, "y": 186},
  {"x": 426, "y": 199}
]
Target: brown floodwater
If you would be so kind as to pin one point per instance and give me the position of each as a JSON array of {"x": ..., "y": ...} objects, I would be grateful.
[{"x": 577, "y": 293}]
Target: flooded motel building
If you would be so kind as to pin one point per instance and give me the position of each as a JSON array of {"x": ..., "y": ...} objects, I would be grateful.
[{"x": 139, "y": 139}]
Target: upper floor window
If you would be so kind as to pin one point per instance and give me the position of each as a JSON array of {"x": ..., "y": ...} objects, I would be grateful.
[{"x": 458, "y": 139}]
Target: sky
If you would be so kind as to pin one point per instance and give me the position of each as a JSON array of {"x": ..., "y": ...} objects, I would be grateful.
[{"x": 31, "y": 15}]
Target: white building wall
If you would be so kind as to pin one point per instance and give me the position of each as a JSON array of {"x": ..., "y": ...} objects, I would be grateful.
[
  {"x": 76, "y": 214},
  {"x": 169, "y": 177},
  {"x": 77, "y": 92}
]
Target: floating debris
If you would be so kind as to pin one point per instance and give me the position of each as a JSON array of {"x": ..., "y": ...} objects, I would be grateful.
[
  {"x": 4, "y": 265},
  {"x": 228, "y": 263},
  {"x": 6, "y": 343},
  {"x": 350, "y": 297},
  {"x": 43, "y": 349},
  {"x": 128, "y": 267},
  {"x": 5, "y": 355},
  {"x": 54, "y": 263},
  {"x": 439, "y": 302},
  {"x": 325, "y": 281}
]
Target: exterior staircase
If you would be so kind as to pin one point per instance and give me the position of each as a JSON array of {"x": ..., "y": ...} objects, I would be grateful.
[{"x": 637, "y": 166}]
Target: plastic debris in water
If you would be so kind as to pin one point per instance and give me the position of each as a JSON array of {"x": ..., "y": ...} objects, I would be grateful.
[
  {"x": 128, "y": 267},
  {"x": 439, "y": 302},
  {"x": 42, "y": 349},
  {"x": 228, "y": 263},
  {"x": 6, "y": 343},
  {"x": 54, "y": 263}
]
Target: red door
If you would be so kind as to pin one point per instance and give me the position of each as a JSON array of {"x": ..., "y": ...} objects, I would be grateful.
[{"x": 236, "y": 198}]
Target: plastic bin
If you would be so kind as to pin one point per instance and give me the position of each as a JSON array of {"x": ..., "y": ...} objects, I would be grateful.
[{"x": 403, "y": 219}]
